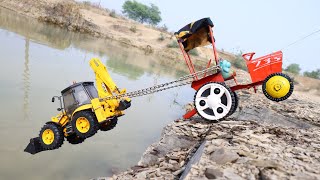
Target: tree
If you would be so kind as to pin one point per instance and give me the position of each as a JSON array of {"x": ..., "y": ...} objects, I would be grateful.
[
  {"x": 313, "y": 74},
  {"x": 293, "y": 68},
  {"x": 142, "y": 13}
]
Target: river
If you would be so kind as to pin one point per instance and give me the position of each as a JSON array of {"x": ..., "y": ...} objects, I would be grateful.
[{"x": 37, "y": 62}]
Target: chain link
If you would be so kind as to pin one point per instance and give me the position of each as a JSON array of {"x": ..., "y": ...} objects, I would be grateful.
[{"x": 185, "y": 80}]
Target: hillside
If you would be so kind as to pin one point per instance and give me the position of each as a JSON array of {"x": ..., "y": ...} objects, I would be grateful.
[{"x": 104, "y": 24}]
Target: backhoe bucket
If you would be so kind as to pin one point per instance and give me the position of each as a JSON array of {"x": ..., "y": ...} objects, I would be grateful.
[{"x": 34, "y": 146}]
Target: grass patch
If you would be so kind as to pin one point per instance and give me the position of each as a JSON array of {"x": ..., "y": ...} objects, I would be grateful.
[
  {"x": 91, "y": 4},
  {"x": 240, "y": 63},
  {"x": 161, "y": 37},
  {"x": 113, "y": 14},
  {"x": 194, "y": 52},
  {"x": 173, "y": 44},
  {"x": 133, "y": 29}
]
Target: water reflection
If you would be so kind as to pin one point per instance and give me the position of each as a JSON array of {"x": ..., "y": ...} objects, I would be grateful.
[
  {"x": 118, "y": 53},
  {"x": 121, "y": 65},
  {"x": 38, "y": 32},
  {"x": 26, "y": 81}
]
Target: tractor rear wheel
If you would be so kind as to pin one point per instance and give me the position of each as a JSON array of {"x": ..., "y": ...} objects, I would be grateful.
[
  {"x": 235, "y": 106},
  {"x": 85, "y": 124},
  {"x": 51, "y": 136},
  {"x": 74, "y": 139},
  {"x": 213, "y": 101},
  {"x": 277, "y": 87},
  {"x": 110, "y": 124}
]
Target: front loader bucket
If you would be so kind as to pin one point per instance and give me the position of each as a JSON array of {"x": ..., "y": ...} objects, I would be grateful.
[{"x": 34, "y": 146}]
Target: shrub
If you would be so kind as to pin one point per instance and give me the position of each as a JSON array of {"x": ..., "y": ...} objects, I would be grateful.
[
  {"x": 133, "y": 29},
  {"x": 194, "y": 52},
  {"x": 313, "y": 74},
  {"x": 161, "y": 37},
  {"x": 163, "y": 28},
  {"x": 88, "y": 3},
  {"x": 293, "y": 68},
  {"x": 240, "y": 63},
  {"x": 173, "y": 44},
  {"x": 113, "y": 13}
]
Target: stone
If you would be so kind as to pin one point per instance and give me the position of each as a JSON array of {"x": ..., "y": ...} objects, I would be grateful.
[
  {"x": 265, "y": 163},
  {"x": 212, "y": 173},
  {"x": 141, "y": 175},
  {"x": 225, "y": 136},
  {"x": 222, "y": 156},
  {"x": 168, "y": 143},
  {"x": 173, "y": 162},
  {"x": 179, "y": 171},
  {"x": 230, "y": 174},
  {"x": 211, "y": 136},
  {"x": 210, "y": 149},
  {"x": 148, "y": 160}
]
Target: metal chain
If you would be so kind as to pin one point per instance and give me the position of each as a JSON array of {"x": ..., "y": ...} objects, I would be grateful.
[{"x": 185, "y": 80}]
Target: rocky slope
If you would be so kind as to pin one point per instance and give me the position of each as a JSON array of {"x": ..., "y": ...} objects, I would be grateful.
[{"x": 262, "y": 140}]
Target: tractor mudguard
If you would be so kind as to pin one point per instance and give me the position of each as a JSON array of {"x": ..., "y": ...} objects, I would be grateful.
[
  {"x": 81, "y": 108},
  {"x": 34, "y": 146}
]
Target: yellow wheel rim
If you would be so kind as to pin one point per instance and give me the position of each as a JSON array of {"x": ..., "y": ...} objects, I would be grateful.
[
  {"x": 278, "y": 86},
  {"x": 82, "y": 124},
  {"x": 48, "y": 136}
]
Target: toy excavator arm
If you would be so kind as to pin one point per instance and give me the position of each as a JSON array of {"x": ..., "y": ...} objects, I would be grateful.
[{"x": 105, "y": 84}]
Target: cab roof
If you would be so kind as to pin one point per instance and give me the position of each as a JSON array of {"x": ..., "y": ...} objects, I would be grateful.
[
  {"x": 75, "y": 85},
  {"x": 195, "y": 34}
]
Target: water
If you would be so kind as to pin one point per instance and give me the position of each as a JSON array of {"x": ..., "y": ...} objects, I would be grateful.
[{"x": 37, "y": 62}]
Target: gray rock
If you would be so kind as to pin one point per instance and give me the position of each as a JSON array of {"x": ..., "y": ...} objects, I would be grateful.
[
  {"x": 168, "y": 143},
  {"x": 230, "y": 174},
  {"x": 148, "y": 160},
  {"x": 141, "y": 175},
  {"x": 211, "y": 173},
  {"x": 211, "y": 148},
  {"x": 222, "y": 156},
  {"x": 179, "y": 171},
  {"x": 265, "y": 163}
]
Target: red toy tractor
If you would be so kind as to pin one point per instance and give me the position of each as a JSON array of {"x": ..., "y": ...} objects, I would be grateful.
[{"x": 215, "y": 100}]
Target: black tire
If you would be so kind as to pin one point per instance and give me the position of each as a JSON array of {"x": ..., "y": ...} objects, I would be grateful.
[
  {"x": 282, "y": 98},
  {"x": 235, "y": 105},
  {"x": 58, "y": 136},
  {"x": 92, "y": 120},
  {"x": 110, "y": 124},
  {"x": 232, "y": 99},
  {"x": 74, "y": 139}
]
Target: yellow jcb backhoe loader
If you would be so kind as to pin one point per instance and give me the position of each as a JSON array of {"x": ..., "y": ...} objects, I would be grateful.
[{"x": 84, "y": 110}]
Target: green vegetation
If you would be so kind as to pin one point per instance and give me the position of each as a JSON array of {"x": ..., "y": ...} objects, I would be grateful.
[
  {"x": 161, "y": 37},
  {"x": 133, "y": 29},
  {"x": 142, "y": 13},
  {"x": 113, "y": 13},
  {"x": 194, "y": 52},
  {"x": 163, "y": 28},
  {"x": 312, "y": 74},
  {"x": 173, "y": 44},
  {"x": 92, "y": 4},
  {"x": 293, "y": 68},
  {"x": 239, "y": 62}
]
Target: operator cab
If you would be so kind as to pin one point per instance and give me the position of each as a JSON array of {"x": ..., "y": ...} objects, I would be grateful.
[{"x": 78, "y": 94}]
